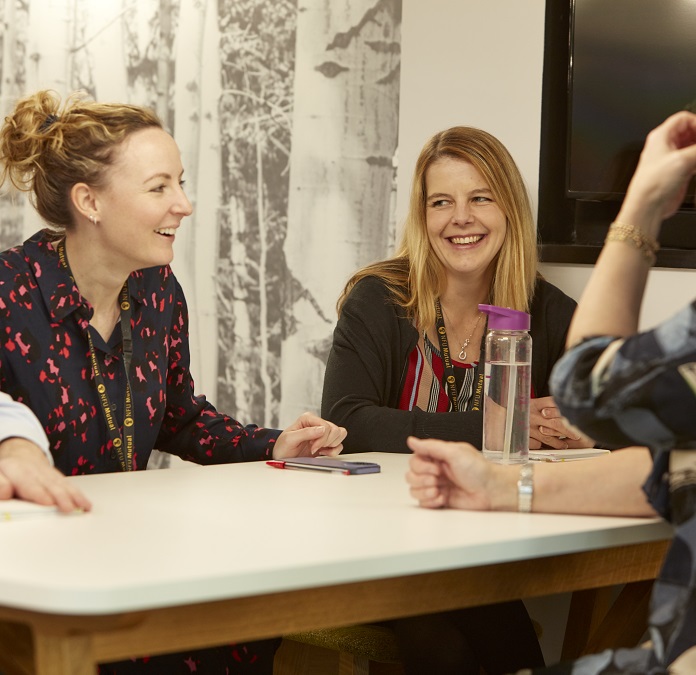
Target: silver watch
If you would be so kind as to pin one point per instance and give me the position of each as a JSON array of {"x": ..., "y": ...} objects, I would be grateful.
[{"x": 525, "y": 488}]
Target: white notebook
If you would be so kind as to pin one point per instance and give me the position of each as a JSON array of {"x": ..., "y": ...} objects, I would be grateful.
[{"x": 571, "y": 454}]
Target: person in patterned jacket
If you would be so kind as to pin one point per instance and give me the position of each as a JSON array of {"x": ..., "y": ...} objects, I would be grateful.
[
  {"x": 625, "y": 386},
  {"x": 94, "y": 325}
]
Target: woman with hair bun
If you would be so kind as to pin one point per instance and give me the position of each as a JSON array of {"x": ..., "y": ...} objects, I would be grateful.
[{"x": 94, "y": 325}]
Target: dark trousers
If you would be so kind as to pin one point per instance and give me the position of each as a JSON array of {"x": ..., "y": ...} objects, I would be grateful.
[{"x": 498, "y": 638}]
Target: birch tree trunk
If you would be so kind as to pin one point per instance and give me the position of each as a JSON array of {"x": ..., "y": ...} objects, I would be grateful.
[
  {"x": 142, "y": 40},
  {"x": 196, "y": 128},
  {"x": 79, "y": 67},
  {"x": 164, "y": 61},
  {"x": 48, "y": 61},
  {"x": 257, "y": 55},
  {"x": 99, "y": 49},
  {"x": 14, "y": 49},
  {"x": 342, "y": 172},
  {"x": 14, "y": 32},
  {"x": 47, "y": 65}
]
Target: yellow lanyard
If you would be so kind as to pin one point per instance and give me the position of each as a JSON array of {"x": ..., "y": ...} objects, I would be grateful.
[
  {"x": 448, "y": 376},
  {"x": 124, "y": 454}
]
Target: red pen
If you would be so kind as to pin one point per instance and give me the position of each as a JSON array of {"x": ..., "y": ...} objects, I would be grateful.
[
  {"x": 332, "y": 464},
  {"x": 290, "y": 464}
]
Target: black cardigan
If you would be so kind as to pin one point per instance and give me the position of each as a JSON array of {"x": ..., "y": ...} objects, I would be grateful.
[{"x": 372, "y": 341}]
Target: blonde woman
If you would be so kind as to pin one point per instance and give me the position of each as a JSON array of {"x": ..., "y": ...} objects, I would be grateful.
[
  {"x": 469, "y": 238},
  {"x": 407, "y": 356}
]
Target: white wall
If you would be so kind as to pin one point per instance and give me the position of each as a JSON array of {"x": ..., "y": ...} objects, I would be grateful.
[{"x": 480, "y": 64}]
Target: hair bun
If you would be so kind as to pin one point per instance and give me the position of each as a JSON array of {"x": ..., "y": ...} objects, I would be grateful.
[{"x": 48, "y": 123}]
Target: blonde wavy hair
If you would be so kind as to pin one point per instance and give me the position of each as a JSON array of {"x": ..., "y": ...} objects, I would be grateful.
[
  {"x": 47, "y": 146},
  {"x": 415, "y": 276}
]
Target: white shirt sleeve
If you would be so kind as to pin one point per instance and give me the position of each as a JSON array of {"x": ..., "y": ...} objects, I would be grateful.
[{"x": 16, "y": 420}]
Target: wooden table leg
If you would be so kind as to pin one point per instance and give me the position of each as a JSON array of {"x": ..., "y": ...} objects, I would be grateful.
[
  {"x": 16, "y": 649},
  {"x": 587, "y": 609},
  {"x": 626, "y": 622},
  {"x": 63, "y": 654},
  {"x": 595, "y": 623},
  {"x": 26, "y": 650}
]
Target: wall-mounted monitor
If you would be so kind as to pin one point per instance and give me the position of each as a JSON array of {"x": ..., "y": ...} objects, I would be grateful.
[
  {"x": 633, "y": 63},
  {"x": 613, "y": 70}
]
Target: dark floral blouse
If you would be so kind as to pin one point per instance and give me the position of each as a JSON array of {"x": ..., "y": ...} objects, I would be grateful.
[{"x": 44, "y": 321}]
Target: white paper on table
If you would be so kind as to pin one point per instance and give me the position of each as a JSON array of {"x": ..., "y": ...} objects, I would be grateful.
[
  {"x": 552, "y": 455},
  {"x": 18, "y": 509}
]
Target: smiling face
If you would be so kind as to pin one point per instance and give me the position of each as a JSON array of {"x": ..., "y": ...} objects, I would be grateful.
[
  {"x": 466, "y": 228},
  {"x": 142, "y": 201}
]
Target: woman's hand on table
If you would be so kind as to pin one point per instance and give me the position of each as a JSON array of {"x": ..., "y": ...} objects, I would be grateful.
[
  {"x": 308, "y": 436},
  {"x": 456, "y": 475},
  {"x": 25, "y": 473},
  {"x": 547, "y": 427}
]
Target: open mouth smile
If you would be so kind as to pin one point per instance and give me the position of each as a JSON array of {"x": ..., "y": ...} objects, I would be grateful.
[
  {"x": 166, "y": 231},
  {"x": 470, "y": 239}
]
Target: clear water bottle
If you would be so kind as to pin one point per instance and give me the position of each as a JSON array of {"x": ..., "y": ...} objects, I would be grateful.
[{"x": 508, "y": 384}]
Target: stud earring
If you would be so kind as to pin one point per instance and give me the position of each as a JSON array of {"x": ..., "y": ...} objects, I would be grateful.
[{"x": 93, "y": 219}]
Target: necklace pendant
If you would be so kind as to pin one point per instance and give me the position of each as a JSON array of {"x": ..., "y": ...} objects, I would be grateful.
[{"x": 462, "y": 352}]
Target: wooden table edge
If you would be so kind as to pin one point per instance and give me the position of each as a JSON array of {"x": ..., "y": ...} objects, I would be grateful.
[{"x": 92, "y": 639}]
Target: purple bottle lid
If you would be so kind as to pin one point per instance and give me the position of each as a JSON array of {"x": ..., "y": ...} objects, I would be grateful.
[{"x": 503, "y": 318}]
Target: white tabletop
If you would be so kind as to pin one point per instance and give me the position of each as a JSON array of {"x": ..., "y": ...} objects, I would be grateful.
[{"x": 173, "y": 537}]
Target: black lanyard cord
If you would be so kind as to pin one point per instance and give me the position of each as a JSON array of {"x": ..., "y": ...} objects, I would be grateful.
[
  {"x": 448, "y": 379},
  {"x": 118, "y": 441}
]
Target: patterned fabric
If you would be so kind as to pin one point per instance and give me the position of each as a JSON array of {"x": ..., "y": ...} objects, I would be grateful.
[
  {"x": 44, "y": 362},
  {"x": 252, "y": 658},
  {"x": 642, "y": 390},
  {"x": 423, "y": 381}
]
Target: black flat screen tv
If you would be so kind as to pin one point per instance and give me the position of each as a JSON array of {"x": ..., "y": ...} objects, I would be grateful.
[
  {"x": 632, "y": 64},
  {"x": 613, "y": 70}
]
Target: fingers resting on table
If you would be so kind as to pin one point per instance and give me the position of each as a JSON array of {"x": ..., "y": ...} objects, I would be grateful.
[
  {"x": 26, "y": 474},
  {"x": 309, "y": 435}
]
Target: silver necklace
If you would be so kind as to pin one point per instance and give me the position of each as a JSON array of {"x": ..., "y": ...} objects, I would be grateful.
[{"x": 462, "y": 352}]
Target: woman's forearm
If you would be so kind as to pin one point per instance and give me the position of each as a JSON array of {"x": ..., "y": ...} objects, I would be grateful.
[
  {"x": 609, "y": 485},
  {"x": 611, "y": 301}
]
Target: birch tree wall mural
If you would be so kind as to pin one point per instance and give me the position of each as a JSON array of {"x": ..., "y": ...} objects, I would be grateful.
[
  {"x": 286, "y": 113},
  {"x": 345, "y": 126}
]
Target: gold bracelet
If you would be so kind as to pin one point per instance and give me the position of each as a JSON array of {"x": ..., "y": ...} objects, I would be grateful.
[{"x": 621, "y": 232}]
